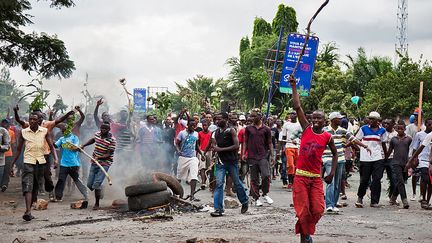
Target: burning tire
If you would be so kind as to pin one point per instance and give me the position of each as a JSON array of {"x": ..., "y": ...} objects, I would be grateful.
[
  {"x": 146, "y": 188},
  {"x": 137, "y": 203},
  {"x": 172, "y": 182}
]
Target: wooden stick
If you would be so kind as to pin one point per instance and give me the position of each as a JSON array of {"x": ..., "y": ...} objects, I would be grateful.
[
  {"x": 95, "y": 161},
  {"x": 419, "y": 118}
]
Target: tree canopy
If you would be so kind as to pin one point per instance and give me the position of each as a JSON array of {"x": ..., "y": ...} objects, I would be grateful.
[{"x": 36, "y": 53}]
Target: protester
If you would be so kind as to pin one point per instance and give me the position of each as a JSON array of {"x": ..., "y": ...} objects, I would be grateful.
[
  {"x": 258, "y": 143},
  {"x": 421, "y": 147},
  {"x": 4, "y": 182},
  {"x": 388, "y": 124},
  {"x": 34, "y": 138},
  {"x": 187, "y": 148},
  {"x": 204, "y": 138},
  {"x": 69, "y": 164},
  {"x": 401, "y": 146},
  {"x": 290, "y": 138},
  {"x": 106, "y": 118},
  {"x": 49, "y": 154},
  {"x": 308, "y": 194},
  {"x": 225, "y": 145},
  {"x": 105, "y": 144},
  {"x": 371, "y": 164},
  {"x": 340, "y": 137}
]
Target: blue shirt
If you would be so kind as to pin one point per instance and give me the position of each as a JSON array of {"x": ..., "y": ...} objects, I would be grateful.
[
  {"x": 69, "y": 158},
  {"x": 187, "y": 143}
]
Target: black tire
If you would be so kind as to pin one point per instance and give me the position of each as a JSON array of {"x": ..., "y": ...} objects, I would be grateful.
[
  {"x": 137, "y": 203},
  {"x": 146, "y": 188},
  {"x": 172, "y": 182}
]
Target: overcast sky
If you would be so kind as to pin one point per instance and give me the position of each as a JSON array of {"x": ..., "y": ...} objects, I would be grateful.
[{"x": 157, "y": 43}]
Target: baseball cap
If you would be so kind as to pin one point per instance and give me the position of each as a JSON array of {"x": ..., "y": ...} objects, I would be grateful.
[
  {"x": 374, "y": 115},
  {"x": 334, "y": 115},
  {"x": 242, "y": 118}
]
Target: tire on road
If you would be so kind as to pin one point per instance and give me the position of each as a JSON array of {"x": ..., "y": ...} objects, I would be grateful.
[
  {"x": 146, "y": 188},
  {"x": 172, "y": 182},
  {"x": 137, "y": 203}
]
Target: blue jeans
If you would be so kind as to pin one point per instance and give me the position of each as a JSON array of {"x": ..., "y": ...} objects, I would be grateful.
[
  {"x": 96, "y": 177},
  {"x": 233, "y": 171},
  {"x": 333, "y": 189}
]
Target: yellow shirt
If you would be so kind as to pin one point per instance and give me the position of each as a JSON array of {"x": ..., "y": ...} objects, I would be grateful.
[
  {"x": 34, "y": 145},
  {"x": 49, "y": 125}
]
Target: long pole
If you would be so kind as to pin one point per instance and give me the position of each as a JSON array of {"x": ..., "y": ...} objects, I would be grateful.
[
  {"x": 419, "y": 119},
  {"x": 270, "y": 95}
]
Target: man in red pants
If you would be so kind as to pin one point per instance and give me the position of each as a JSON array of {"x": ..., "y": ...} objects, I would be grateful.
[{"x": 308, "y": 193}]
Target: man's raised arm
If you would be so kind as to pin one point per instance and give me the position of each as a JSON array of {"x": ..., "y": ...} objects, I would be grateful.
[{"x": 297, "y": 105}]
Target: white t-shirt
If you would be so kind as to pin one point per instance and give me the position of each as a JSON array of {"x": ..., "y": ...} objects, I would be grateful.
[
  {"x": 373, "y": 139},
  {"x": 291, "y": 134},
  {"x": 386, "y": 139},
  {"x": 422, "y": 138}
]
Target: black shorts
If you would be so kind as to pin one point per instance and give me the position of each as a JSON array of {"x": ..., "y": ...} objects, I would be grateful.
[
  {"x": 424, "y": 175},
  {"x": 32, "y": 177}
]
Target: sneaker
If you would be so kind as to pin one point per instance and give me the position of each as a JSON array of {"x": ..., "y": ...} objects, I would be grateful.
[
  {"x": 267, "y": 199},
  {"x": 216, "y": 213},
  {"x": 244, "y": 208},
  {"x": 290, "y": 186},
  {"x": 359, "y": 203},
  {"x": 405, "y": 203},
  {"x": 338, "y": 205},
  {"x": 3, "y": 188},
  {"x": 344, "y": 197},
  {"x": 374, "y": 205},
  {"x": 336, "y": 210},
  {"x": 414, "y": 197},
  {"x": 258, "y": 203},
  {"x": 28, "y": 217},
  {"x": 284, "y": 186},
  {"x": 51, "y": 197},
  {"x": 203, "y": 187},
  {"x": 329, "y": 210}
]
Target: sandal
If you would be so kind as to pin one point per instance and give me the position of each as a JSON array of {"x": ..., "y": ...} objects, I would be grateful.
[{"x": 28, "y": 217}]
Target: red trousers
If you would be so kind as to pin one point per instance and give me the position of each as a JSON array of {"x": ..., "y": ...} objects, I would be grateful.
[{"x": 308, "y": 199}]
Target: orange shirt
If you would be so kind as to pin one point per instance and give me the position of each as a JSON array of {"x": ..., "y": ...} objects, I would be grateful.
[{"x": 13, "y": 140}]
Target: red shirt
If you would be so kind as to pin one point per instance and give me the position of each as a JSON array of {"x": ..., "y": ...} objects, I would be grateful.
[
  {"x": 241, "y": 139},
  {"x": 312, "y": 147},
  {"x": 204, "y": 139}
]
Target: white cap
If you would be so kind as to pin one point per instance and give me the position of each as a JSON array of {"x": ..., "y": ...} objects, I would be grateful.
[
  {"x": 374, "y": 115},
  {"x": 242, "y": 117},
  {"x": 334, "y": 115}
]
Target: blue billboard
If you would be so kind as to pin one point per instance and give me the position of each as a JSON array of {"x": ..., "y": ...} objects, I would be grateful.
[
  {"x": 305, "y": 69},
  {"x": 140, "y": 99}
]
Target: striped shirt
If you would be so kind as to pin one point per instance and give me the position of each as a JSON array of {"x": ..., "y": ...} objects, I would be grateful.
[
  {"x": 104, "y": 146},
  {"x": 340, "y": 137},
  {"x": 373, "y": 139}
]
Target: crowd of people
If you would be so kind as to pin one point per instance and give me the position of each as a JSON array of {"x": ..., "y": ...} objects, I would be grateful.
[{"x": 233, "y": 154}]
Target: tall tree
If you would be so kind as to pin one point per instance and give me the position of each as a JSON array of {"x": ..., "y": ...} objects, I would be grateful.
[
  {"x": 285, "y": 16},
  {"x": 10, "y": 93},
  {"x": 42, "y": 54}
]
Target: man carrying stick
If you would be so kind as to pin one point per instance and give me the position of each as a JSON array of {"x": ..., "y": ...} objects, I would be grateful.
[
  {"x": 308, "y": 193},
  {"x": 103, "y": 153}
]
